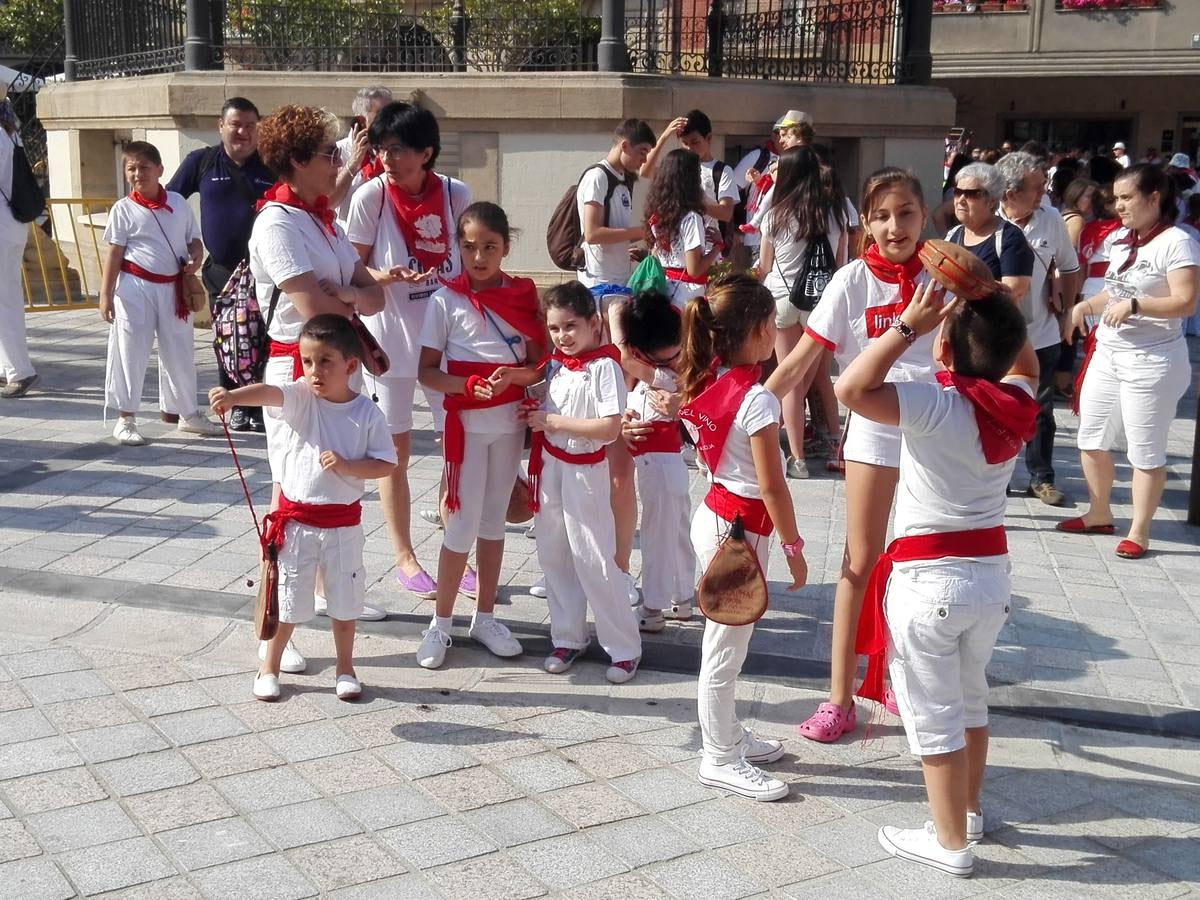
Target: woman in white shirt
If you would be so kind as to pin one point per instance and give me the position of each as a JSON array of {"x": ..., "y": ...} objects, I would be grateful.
[
  {"x": 1137, "y": 367},
  {"x": 18, "y": 371}
]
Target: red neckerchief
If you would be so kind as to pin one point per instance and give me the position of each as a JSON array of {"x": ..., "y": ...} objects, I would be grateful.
[
  {"x": 281, "y": 192},
  {"x": 904, "y": 274},
  {"x": 538, "y": 442},
  {"x": 1004, "y": 413},
  {"x": 713, "y": 411},
  {"x": 371, "y": 166},
  {"x": 516, "y": 302},
  {"x": 422, "y": 221},
  {"x": 1133, "y": 242},
  {"x": 1093, "y": 235},
  {"x": 160, "y": 203}
]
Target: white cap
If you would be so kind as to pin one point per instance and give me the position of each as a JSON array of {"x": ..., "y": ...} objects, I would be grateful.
[
  {"x": 1180, "y": 161},
  {"x": 792, "y": 118},
  {"x": 1118, "y": 146}
]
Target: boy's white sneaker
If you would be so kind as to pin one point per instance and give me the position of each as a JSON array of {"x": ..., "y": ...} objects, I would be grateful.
[
  {"x": 761, "y": 750},
  {"x": 680, "y": 612},
  {"x": 650, "y": 621},
  {"x": 198, "y": 424},
  {"x": 348, "y": 687},
  {"x": 743, "y": 778},
  {"x": 126, "y": 432},
  {"x": 370, "y": 612},
  {"x": 622, "y": 671},
  {"x": 539, "y": 589},
  {"x": 495, "y": 636},
  {"x": 432, "y": 652},
  {"x": 921, "y": 845},
  {"x": 266, "y": 687},
  {"x": 975, "y": 826},
  {"x": 292, "y": 662}
]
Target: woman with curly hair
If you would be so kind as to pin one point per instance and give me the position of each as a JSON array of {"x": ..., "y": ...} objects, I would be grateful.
[
  {"x": 675, "y": 219},
  {"x": 303, "y": 265}
]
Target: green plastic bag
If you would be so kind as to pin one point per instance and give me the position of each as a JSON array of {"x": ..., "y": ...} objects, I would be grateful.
[{"x": 648, "y": 276}]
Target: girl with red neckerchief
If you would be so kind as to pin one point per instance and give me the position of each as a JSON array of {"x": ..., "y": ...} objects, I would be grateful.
[
  {"x": 487, "y": 328},
  {"x": 864, "y": 299},
  {"x": 735, "y": 423}
]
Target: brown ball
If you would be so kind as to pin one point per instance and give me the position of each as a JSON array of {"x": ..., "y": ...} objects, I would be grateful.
[{"x": 958, "y": 270}]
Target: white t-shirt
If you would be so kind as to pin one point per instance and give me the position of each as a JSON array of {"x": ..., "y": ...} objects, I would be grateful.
[
  {"x": 605, "y": 263},
  {"x": 1170, "y": 250},
  {"x": 1051, "y": 242},
  {"x": 372, "y": 221},
  {"x": 287, "y": 242},
  {"x": 789, "y": 253},
  {"x": 594, "y": 392},
  {"x": 946, "y": 484},
  {"x": 459, "y": 332},
  {"x": 714, "y": 191},
  {"x": 133, "y": 227},
  {"x": 689, "y": 237},
  {"x": 639, "y": 397},
  {"x": 735, "y": 470},
  {"x": 354, "y": 430},
  {"x": 11, "y": 231},
  {"x": 855, "y": 309}
]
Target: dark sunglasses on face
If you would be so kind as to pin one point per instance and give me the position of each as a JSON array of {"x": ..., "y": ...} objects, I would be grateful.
[{"x": 970, "y": 193}]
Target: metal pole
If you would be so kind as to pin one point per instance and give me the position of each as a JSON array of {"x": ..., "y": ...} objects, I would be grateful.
[
  {"x": 197, "y": 45},
  {"x": 458, "y": 30},
  {"x": 612, "y": 55},
  {"x": 70, "y": 60},
  {"x": 716, "y": 39},
  {"x": 917, "y": 23},
  {"x": 1194, "y": 493}
]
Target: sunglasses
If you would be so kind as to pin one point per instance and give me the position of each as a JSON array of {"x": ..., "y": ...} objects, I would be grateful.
[{"x": 970, "y": 193}]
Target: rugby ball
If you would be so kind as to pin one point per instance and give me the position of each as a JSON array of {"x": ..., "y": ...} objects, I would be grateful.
[{"x": 958, "y": 270}]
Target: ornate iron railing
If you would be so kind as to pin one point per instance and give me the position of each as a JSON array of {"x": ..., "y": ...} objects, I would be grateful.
[{"x": 127, "y": 37}]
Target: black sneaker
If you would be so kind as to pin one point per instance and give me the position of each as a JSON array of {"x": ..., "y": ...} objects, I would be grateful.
[
  {"x": 256, "y": 423},
  {"x": 239, "y": 420}
]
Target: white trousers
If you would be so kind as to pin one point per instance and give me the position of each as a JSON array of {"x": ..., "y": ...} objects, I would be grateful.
[
  {"x": 489, "y": 471},
  {"x": 14, "y": 350},
  {"x": 668, "y": 561},
  {"x": 723, "y": 650},
  {"x": 576, "y": 543},
  {"x": 144, "y": 310}
]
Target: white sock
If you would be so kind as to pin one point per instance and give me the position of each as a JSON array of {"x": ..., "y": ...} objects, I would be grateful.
[
  {"x": 444, "y": 623},
  {"x": 482, "y": 616}
]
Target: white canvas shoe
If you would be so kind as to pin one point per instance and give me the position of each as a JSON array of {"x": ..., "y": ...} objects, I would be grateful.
[
  {"x": 266, "y": 688},
  {"x": 347, "y": 688},
  {"x": 742, "y": 778},
  {"x": 292, "y": 662},
  {"x": 432, "y": 652},
  {"x": 921, "y": 845},
  {"x": 126, "y": 432},
  {"x": 198, "y": 424},
  {"x": 539, "y": 589},
  {"x": 495, "y": 636},
  {"x": 761, "y": 750},
  {"x": 975, "y": 826}
]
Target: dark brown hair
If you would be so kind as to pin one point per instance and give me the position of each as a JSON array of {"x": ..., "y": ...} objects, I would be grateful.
[
  {"x": 674, "y": 193},
  {"x": 143, "y": 151},
  {"x": 1148, "y": 179},
  {"x": 985, "y": 336},
  {"x": 878, "y": 184},
  {"x": 334, "y": 330},
  {"x": 716, "y": 326},
  {"x": 569, "y": 295}
]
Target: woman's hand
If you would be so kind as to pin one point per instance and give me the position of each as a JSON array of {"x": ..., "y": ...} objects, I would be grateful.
[
  {"x": 1118, "y": 312},
  {"x": 928, "y": 308},
  {"x": 665, "y": 403},
  {"x": 798, "y": 566},
  {"x": 752, "y": 175},
  {"x": 633, "y": 429},
  {"x": 405, "y": 275},
  {"x": 360, "y": 146},
  {"x": 540, "y": 421},
  {"x": 108, "y": 311}
]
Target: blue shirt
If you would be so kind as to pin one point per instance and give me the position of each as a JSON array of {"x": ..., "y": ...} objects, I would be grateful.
[
  {"x": 226, "y": 207},
  {"x": 1015, "y": 257}
]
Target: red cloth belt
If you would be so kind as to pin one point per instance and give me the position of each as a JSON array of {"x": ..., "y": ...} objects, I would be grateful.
[
  {"x": 1089, "y": 350},
  {"x": 181, "y": 307},
  {"x": 576, "y": 459},
  {"x": 278, "y": 348},
  {"x": 871, "y": 638},
  {"x": 454, "y": 438},
  {"x": 1097, "y": 269},
  {"x": 539, "y": 443},
  {"x": 318, "y": 515},
  {"x": 663, "y": 438},
  {"x": 683, "y": 276},
  {"x": 726, "y": 504}
]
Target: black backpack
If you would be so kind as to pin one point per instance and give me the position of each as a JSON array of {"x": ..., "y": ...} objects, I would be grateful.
[
  {"x": 27, "y": 200},
  {"x": 815, "y": 274},
  {"x": 564, "y": 232}
]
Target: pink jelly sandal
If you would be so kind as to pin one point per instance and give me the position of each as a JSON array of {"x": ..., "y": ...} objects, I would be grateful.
[
  {"x": 889, "y": 702},
  {"x": 828, "y": 723}
]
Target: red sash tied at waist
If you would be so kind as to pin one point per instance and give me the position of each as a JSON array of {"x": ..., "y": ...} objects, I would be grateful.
[
  {"x": 537, "y": 444},
  {"x": 871, "y": 638},
  {"x": 278, "y": 348},
  {"x": 454, "y": 440},
  {"x": 728, "y": 505},
  {"x": 181, "y": 307},
  {"x": 1089, "y": 350},
  {"x": 663, "y": 438},
  {"x": 317, "y": 515},
  {"x": 682, "y": 275}
]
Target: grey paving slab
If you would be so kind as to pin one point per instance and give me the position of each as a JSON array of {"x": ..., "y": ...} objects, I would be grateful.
[
  {"x": 435, "y": 842},
  {"x": 568, "y": 861},
  {"x": 148, "y": 772},
  {"x": 33, "y": 879},
  {"x": 117, "y": 742},
  {"x": 53, "y": 790},
  {"x": 108, "y": 867},
  {"x": 24, "y": 725},
  {"x": 213, "y": 843},
  {"x": 41, "y": 755},
  {"x": 270, "y": 878},
  {"x": 310, "y": 822},
  {"x": 82, "y": 826},
  {"x": 178, "y": 807},
  {"x": 345, "y": 862},
  {"x": 702, "y": 876},
  {"x": 266, "y": 788},
  {"x": 16, "y": 842},
  {"x": 494, "y": 877},
  {"x": 517, "y": 822},
  {"x": 394, "y": 804}
]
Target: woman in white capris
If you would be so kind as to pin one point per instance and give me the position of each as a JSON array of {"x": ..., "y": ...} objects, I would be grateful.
[{"x": 1137, "y": 367}]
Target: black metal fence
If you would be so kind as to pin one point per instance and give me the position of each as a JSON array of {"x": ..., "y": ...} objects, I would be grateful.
[{"x": 857, "y": 41}]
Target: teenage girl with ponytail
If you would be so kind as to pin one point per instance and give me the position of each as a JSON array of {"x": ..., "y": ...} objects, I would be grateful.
[
  {"x": 735, "y": 423},
  {"x": 864, "y": 299}
]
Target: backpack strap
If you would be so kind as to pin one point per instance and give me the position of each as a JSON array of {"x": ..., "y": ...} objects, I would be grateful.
[
  {"x": 276, "y": 290},
  {"x": 954, "y": 236}
]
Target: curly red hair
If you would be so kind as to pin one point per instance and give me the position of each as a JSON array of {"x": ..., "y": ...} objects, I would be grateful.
[{"x": 294, "y": 134}]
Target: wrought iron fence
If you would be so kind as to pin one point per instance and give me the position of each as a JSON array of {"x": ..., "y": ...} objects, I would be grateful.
[{"x": 127, "y": 37}]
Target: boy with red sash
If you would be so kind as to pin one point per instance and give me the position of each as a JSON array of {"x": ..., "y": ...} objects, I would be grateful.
[
  {"x": 330, "y": 438},
  {"x": 153, "y": 242},
  {"x": 940, "y": 593}
]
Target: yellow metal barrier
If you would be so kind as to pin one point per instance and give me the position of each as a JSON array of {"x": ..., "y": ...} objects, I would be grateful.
[{"x": 61, "y": 267}]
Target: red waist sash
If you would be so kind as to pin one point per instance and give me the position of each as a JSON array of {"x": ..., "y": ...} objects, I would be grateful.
[
  {"x": 454, "y": 439},
  {"x": 536, "y": 463},
  {"x": 318, "y": 515},
  {"x": 1089, "y": 350},
  {"x": 871, "y": 638},
  {"x": 682, "y": 275},
  {"x": 1097, "y": 269},
  {"x": 726, "y": 504},
  {"x": 663, "y": 438},
  {"x": 181, "y": 307},
  {"x": 278, "y": 348}
]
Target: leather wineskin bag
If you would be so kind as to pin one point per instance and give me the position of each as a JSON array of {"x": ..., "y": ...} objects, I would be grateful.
[
  {"x": 733, "y": 589},
  {"x": 266, "y": 606},
  {"x": 374, "y": 358},
  {"x": 194, "y": 293}
]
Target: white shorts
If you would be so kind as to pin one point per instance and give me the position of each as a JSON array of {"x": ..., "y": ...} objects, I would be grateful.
[
  {"x": 395, "y": 399},
  {"x": 1135, "y": 393},
  {"x": 680, "y": 292},
  {"x": 869, "y": 442},
  {"x": 787, "y": 316},
  {"x": 338, "y": 553},
  {"x": 943, "y": 618}
]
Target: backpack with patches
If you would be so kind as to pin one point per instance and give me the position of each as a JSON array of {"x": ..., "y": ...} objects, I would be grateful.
[
  {"x": 564, "y": 232},
  {"x": 239, "y": 329}
]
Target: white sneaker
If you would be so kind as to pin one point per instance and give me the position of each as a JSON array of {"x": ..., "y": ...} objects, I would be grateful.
[
  {"x": 920, "y": 845},
  {"x": 127, "y": 432},
  {"x": 266, "y": 688},
  {"x": 432, "y": 652},
  {"x": 293, "y": 661},
  {"x": 539, "y": 589},
  {"x": 622, "y": 671},
  {"x": 348, "y": 688},
  {"x": 631, "y": 590},
  {"x": 370, "y": 612},
  {"x": 760, "y": 750},
  {"x": 680, "y": 612},
  {"x": 742, "y": 778},
  {"x": 432, "y": 516},
  {"x": 650, "y": 621},
  {"x": 495, "y": 636},
  {"x": 198, "y": 424},
  {"x": 975, "y": 826}
]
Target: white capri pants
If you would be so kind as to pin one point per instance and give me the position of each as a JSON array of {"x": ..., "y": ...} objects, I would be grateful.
[
  {"x": 489, "y": 471},
  {"x": 723, "y": 650},
  {"x": 14, "y": 349},
  {"x": 337, "y": 554},
  {"x": 576, "y": 543},
  {"x": 870, "y": 442},
  {"x": 1134, "y": 392},
  {"x": 143, "y": 310},
  {"x": 395, "y": 398},
  {"x": 668, "y": 561},
  {"x": 943, "y": 619}
]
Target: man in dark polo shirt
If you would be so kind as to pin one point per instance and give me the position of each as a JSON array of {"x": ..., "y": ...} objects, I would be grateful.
[{"x": 230, "y": 177}]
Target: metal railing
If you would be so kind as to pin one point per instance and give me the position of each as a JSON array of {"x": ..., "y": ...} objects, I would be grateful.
[{"x": 61, "y": 266}]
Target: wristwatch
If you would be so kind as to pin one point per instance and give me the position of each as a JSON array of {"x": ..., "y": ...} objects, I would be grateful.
[
  {"x": 1133, "y": 306},
  {"x": 905, "y": 330},
  {"x": 790, "y": 550}
]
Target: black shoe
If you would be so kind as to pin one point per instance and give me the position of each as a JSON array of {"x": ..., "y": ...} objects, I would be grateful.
[
  {"x": 1048, "y": 493},
  {"x": 239, "y": 420},
  {"x": 256, "y": 423},
  {"x": 18, "y": 388}
]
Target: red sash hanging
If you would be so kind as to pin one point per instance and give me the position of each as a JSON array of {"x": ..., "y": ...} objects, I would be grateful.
[
  {"x": 181, "y": 308},
  {"x": 1004, "y": 413},
  {"x": 318, "y": 515},
  {"x": 454, "y": 439},
  {"x": 278, "y": 348}
]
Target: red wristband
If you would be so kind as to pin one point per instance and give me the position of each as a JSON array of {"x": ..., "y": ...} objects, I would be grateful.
[{"x": 472, "y": 382}]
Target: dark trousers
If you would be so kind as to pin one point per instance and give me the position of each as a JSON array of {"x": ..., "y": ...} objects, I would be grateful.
[
  {"x": 214, "y": 275},
  {"x": 1039, "y": 452}
]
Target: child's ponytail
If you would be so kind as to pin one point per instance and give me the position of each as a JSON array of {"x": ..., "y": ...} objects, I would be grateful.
[
  {"x": 716, "y": 326},
  {"x": 696, "y": 353}
]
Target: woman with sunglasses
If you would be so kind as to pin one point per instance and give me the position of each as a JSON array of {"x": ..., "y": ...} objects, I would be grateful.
[{"x": 1001, "y": 245}]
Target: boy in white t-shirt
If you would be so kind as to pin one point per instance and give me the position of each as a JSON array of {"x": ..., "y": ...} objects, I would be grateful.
[
  {"x": 948, "y": 595},
  {"x": 331, "y": 439},
  {"x": 716, "y": 178}
]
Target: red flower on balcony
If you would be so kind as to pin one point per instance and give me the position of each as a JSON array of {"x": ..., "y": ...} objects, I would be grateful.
[{"x": 1106, "y": 5}]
